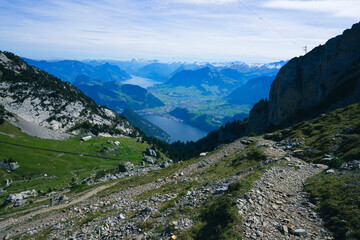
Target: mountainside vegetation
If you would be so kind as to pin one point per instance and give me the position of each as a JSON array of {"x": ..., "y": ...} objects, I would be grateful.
[{"x": 115, "y": 95}]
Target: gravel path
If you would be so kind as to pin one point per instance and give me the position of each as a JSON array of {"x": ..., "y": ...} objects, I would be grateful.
[{"x": 277, "y": 207}]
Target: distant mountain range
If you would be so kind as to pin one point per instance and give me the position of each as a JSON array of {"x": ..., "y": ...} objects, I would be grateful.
[
  {"x": 115, "y": 95},
  {"x": 68, "y": 70}
]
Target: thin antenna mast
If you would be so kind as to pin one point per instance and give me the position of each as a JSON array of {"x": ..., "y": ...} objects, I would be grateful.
[{"x": 305, "y": 49}]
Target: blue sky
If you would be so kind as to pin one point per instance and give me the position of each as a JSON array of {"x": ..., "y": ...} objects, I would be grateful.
[{"x": 177, "y": 30}]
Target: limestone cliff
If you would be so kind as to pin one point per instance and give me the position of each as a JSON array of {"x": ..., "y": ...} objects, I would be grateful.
[{"x": 326, "y": 78}]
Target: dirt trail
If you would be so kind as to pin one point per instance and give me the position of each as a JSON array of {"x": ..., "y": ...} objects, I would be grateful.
[{"x": 6, "y": 223}]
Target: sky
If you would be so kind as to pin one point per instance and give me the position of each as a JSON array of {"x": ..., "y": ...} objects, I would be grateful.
[{"x": 172, "y": 30}]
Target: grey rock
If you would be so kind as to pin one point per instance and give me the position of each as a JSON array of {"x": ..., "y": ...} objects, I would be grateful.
[
  {"x": 330, "y": 171},
  {"x": 19, "y": 203},
  {"x": 20, "y": 196},
  {"x": 149, "y": 160},
  {"x": 300, "y": 232},
  {"x": 164, "y": 164},
  {"x": 222, "y": 189},
  {"x": 59, "y": 199},
  {"x": 126, "y": 167},
  {"x": 150, "y": 152}
]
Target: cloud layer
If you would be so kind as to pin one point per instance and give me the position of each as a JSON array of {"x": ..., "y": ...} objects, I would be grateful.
[{"x": 205, "y": 30}]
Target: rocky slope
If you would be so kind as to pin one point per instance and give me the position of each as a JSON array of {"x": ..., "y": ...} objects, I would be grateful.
[
  {"x": 326, "y": 78},
  {"x": 42, "y": 99}
]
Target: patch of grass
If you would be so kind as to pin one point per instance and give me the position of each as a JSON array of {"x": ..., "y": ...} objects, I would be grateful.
[
  {"x": 336, "y": 133},
  {"x": 62, "y": 169},
  {"x": 337, "y": 197}
]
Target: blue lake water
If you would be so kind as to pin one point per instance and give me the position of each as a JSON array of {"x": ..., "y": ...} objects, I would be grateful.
[
  {"x": 178, "y": 131},
  {"x": 142, "y": 82}
]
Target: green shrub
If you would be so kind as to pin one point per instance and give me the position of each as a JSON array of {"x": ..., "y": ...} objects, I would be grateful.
[
  {"x": 219, "y": 217},
  {"x": 335, "y": 162}
]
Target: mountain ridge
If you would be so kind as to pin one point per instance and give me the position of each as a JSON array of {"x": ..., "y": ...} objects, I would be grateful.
[
  {"x": 42, "y": 99},
  {"x": 326, "y": 78}
]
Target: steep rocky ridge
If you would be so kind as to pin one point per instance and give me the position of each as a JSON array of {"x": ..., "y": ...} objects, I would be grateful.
[
  {"x": 45, "y": 100},
  {"x": 326, "y": 78}
]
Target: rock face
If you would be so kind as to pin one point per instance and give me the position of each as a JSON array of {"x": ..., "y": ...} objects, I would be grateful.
[
  {"x": 42, "y": 99},
  {"x": 326, "y": 78}
]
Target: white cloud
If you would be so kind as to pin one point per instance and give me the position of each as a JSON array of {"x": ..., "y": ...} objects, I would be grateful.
[
  {"x": 338, "y": 8},
  {"x": 166, "y": 29}
]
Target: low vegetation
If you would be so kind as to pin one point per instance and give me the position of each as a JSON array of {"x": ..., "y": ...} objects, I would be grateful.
[
  {"x": 336, "y": 133},
  {"x": 337, "y": 197}
]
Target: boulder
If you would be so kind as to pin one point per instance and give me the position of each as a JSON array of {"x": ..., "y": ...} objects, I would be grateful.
[
  {"x": 300, "y": 232},
  {"x": 330, "y": 171},
  {"x": 59, "y": 199},
  {"x": 149, "y": 160},
  {"x": 19, "y": 203},
  {"x": 126, "y": 167},
  {"x": 222, "y": 189},
  {"x": 150, "y": 152},
  {"x": 164, "y": 164},
  {"x": 20, "y": 196}
]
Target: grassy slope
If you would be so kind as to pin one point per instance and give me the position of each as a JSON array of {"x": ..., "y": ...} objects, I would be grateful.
[
  {"x": 337, "y": 196},
  {"x": 60, "y": 168},
  {"x": 336, "y": 133}
]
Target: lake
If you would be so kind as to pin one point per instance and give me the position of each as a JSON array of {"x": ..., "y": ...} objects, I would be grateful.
[
  {"x": 178, "y": 131},
  {"x": 142, "y": 82}
]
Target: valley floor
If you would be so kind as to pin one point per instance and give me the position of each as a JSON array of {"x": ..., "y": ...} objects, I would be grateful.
[{"x": 159, "y": 204}]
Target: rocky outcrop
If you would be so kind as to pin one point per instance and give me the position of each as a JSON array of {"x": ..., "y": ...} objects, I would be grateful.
[
  {"x": 126, "y": 167},
  {"x": 9, "y": 165},
  {"x": 326, "y": 78},
  {"x": 150, "y": 152}
]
